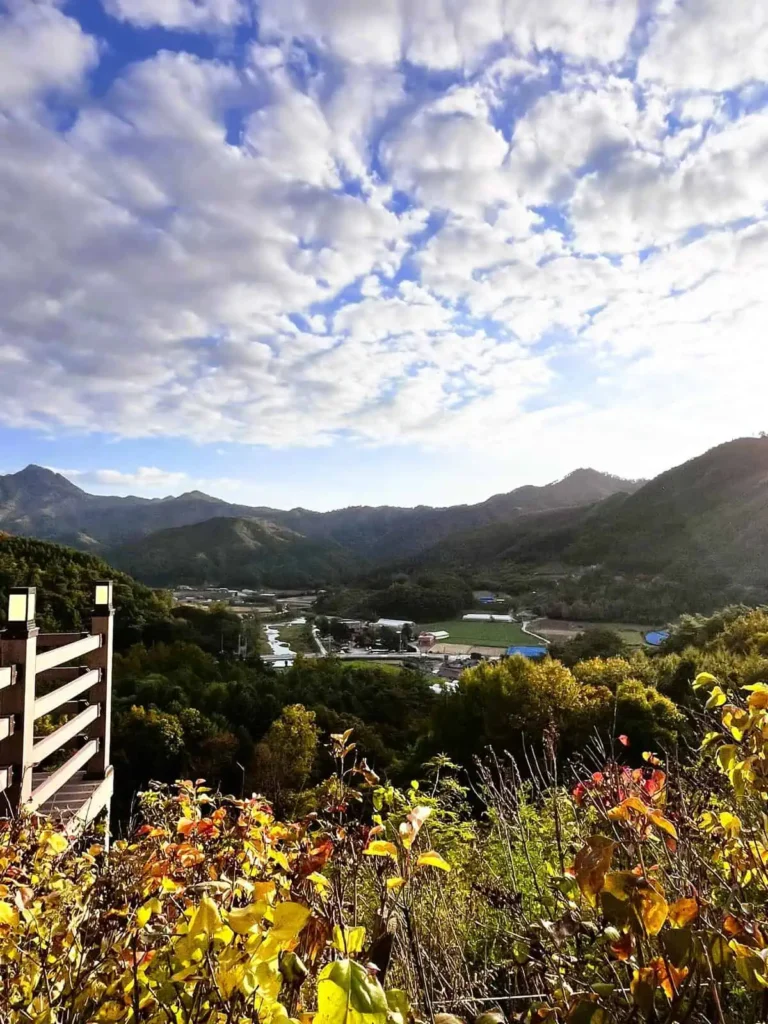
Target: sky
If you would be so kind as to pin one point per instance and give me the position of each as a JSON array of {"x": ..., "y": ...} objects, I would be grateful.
[{"x": 334, "y": 252}]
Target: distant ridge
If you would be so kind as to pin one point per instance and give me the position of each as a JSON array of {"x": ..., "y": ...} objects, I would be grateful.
[
  {"x": 42, "y": 503},
  {"x": 707, "y": 516}
]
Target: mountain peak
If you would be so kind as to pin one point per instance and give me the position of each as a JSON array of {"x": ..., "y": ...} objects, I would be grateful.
[
  {"x": 198, "y": 496},
  {"x": 36, "y": 477}
]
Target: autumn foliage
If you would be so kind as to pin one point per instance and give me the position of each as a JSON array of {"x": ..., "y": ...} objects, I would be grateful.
[{"x": 623, "y": 894}]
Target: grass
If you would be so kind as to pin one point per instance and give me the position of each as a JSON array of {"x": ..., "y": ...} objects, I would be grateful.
[
  {"x": 483, "y": 634},
  {"x": 386, "y": 666}
]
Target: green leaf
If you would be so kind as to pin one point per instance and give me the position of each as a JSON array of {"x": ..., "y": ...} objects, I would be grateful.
[{"x": 347, "y": 994}]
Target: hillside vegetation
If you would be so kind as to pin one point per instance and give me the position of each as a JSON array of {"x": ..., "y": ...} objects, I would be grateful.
[
  {"x": 234, "y": 553},
  {"x": 625, "y": 886},
  {"x": 64, "y": 579}
]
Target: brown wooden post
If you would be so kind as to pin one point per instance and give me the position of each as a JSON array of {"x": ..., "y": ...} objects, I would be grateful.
[
  {"x": 18, "y": 647},
  {"x": 102, "y": 624}
]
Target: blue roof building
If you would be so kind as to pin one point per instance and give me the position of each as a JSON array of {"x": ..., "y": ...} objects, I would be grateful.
[{"x": 527, "y": 651}]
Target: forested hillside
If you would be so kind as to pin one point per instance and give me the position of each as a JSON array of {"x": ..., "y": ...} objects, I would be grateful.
[
  {"x": 235, "y": 553},
  {"x": 64, "y": 579},
  {"x": 708, "y": 516}
]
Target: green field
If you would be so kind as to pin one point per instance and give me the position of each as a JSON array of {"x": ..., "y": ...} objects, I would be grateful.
[
  {"x": 483, "y": 634},
  {"x": 385, "y": 665}
]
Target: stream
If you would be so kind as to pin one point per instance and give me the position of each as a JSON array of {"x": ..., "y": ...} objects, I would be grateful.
[{"x": 277, "y": 646}]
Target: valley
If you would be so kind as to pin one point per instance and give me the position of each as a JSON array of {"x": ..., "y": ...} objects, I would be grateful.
[{"x": 588, "y": 548}]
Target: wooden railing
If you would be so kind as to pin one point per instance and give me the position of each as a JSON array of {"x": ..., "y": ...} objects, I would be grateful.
[{"x": 37, "y": 682}]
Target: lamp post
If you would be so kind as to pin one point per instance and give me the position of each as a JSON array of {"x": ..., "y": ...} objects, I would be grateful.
[
  {"x": 22, "y": 604},
  {"x": 19, "y": 648},
  {"x": 103, "y": 598}
]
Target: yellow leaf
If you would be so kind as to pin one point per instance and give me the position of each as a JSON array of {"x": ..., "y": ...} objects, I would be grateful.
[
  {"x": 206, "y": 918},
  {"x": 704, "y": 680},
  {"x": 243, "y": 919},
  {"x": 663, "y": 823},
  {"x": 143, "y": 915},
  {"x": 621, "y": 884},
  {"x": 758, "y": 697},
  {"x": 56, "y": 842},
  {"x": 395, "y": 883},
  {"x": 642, "y": 987},
  {"x": 668, "y": 976},
  {"x": 682, "y": 912},
  {"x": 716, "y": 699},
  {"x": 264, "y": 890},
  {"x": 279, "y": 858},
  {"x": 591, "y": 864},
  {"x": 348, "y": 994},
  {"x": 9, "y": 915},
  {"x": 320, "y": 882},
  {"x": 289, "y": 919},
  {"x": 349, "y": 940},
  {"x": 432, "y": 859},
  {"x": 730, "y": 823},
  {"x": 381, "y": 848},
  {"x": 651, "y": 908}
]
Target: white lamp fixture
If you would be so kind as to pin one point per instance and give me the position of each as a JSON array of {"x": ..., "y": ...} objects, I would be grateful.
[
  {"x": 21, "y": 606},
  {"x": 103, "y": 597}
]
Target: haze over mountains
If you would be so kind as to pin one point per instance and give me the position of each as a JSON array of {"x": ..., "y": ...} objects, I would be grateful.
[{"x": 708, "y": 516}]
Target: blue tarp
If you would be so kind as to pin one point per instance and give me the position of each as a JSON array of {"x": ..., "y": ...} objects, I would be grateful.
[
  {"x": 657, "y": 637},
  {"x": 527, "y": 652}
]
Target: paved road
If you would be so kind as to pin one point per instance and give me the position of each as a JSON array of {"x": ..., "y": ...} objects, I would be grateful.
[{"x": 536, "y": 635}]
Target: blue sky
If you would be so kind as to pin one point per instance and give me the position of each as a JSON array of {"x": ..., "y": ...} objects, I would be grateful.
[{"x": 331, "y": 252}]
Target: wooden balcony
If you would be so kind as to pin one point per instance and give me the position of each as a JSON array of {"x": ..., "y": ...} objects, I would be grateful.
[{"x": 55, "y": 716}]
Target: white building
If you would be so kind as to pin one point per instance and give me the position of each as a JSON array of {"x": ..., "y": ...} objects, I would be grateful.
[{"x": 479, "y": 617}]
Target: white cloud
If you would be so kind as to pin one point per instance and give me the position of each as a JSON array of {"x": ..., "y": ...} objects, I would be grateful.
[
  {"x": 185, "y": 14},
  {"x": 40, "y": 50},
  {"x": 706, "y": 45},
  {"x": 144, "y": 478},
  {"x": 316, "y": 240},
  {"x": 442, "y": 34},
  {"x": 645, "y": 198}
]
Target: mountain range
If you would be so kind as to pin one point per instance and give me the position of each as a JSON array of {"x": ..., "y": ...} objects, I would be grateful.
[
  {"x": 706, "y": 517},
  {"x": 198, "y": 538}
]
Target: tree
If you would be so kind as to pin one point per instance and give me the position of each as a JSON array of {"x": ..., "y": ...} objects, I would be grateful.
[
  {"x": 390, "y": 638},
  {"x": 284, "y": 759},
  {"x": 592, "y": 643}
]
